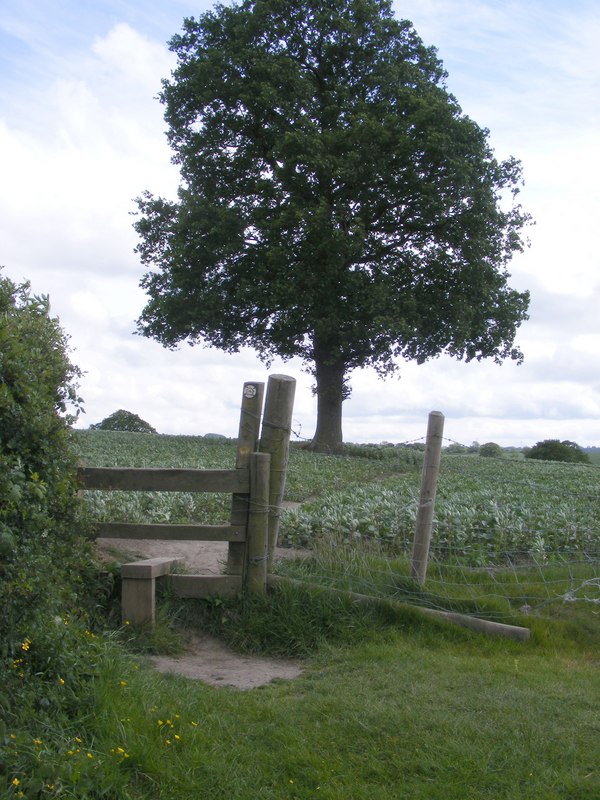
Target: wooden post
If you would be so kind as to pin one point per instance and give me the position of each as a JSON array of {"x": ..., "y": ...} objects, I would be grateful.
[
  {"x": 252, "y": 400},
  {"x": 138, "y": 588},
  {"x": 258, "y": 524},
  {"x": 275, "y": 440},
  {"x": 431, "y": 467}
]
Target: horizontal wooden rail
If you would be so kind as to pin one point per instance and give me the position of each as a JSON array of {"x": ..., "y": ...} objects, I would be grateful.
[
  {"x": 234, "y": 481},
  {"x": 181, "y": 533}
]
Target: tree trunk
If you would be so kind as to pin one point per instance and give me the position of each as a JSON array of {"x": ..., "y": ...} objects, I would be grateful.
[{"x": 330, "y": 395}]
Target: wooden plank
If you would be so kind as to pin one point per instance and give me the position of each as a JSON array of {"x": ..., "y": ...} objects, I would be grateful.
[
  {"x": 180, "y": 533},
  {"x": 149, "y": 568},
  {"x": 204, "y": 585},
  {"x": 165, "y": 480}
]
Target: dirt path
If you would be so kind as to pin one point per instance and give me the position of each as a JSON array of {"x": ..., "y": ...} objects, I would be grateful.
[
  {"x": 201, "y": 558},
  {"x": 205, "y": 658},
  {"x": 209, "y": 660}
]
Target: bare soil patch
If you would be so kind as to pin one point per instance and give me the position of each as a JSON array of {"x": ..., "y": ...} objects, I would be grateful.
[{"x": 209, "y": 660}]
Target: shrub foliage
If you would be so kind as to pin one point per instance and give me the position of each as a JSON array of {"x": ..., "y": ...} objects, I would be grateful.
[{"x": 46, "y": 569}]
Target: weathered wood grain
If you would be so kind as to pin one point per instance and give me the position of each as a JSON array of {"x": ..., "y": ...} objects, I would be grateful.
[
  {"x": 178, "y": 533},
  {"x": 165, "y": 480}
]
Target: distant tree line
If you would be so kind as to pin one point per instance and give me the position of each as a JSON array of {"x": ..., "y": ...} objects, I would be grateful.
[{"x": 546, "y": 450}]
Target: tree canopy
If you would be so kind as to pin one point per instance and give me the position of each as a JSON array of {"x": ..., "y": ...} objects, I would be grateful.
[
  {"x": 335, "y": 203},
  {"x": 122, "y": 420}
]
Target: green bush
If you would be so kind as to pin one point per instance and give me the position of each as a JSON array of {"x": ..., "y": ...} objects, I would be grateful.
[
  {"x": 491, "y": 450},
  {"x": 554, "y": 450},
  {"x": 48, "y": 576},
  {"x": 122, "y": 420}
]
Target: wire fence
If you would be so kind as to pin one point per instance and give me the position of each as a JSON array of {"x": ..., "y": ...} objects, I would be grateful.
[{"x": 509, "y": 535}]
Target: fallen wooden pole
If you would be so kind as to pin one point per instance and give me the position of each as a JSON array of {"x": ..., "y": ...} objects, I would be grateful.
[{"x": 515, "y": 632}]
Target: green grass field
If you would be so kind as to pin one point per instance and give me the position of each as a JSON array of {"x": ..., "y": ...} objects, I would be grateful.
[{"x": 390, "y": 705}]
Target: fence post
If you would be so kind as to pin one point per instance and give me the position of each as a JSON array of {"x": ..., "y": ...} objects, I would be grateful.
[
  {"x": 275, "y": 440},
  {"x": 258, "y": 524},
  {"x": 252, "y": 400},
  {"x": 429, "y": 476}
]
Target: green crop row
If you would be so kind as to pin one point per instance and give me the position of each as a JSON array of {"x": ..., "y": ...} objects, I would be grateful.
[{"x": 486, "y": 510}]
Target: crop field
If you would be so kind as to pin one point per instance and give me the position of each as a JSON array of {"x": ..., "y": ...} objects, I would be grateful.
[
  {"x": 309, "y": 475},
  {"x": 507, "y": 533},
  {"x": 488, "y": 510}
]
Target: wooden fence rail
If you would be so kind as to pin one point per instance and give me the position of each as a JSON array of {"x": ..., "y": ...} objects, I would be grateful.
[
  {"x": 166, "y": 480},
  {"x": 256, "y": 485}
]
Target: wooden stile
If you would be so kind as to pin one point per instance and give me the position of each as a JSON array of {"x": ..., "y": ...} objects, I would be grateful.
[{"x": 254, "y": 504}]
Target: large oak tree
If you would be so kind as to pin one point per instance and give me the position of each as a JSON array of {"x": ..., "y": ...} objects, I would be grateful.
[{"x": 335, "y": 202}]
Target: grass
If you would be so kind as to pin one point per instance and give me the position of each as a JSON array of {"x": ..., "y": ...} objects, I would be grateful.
[
  {"x": 390, "y": 705},
  {"x": 382, "y": 711}
]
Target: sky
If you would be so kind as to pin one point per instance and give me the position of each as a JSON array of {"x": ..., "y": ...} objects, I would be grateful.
[{"x": 82, "y": 135}]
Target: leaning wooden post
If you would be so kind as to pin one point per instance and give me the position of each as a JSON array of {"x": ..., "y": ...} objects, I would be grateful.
[
  {"x": 258, "y": 524},
  {"x": 429, "y": 477},
  {"x": 252, "y": 400},
  {"x": 275, "y": 440}
]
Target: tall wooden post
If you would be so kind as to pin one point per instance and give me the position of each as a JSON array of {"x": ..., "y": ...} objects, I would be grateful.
[
  {"x": 429, "y": 477},
  {"x": 258, "y": 524},
  {"x": 252, "y": 401},
  {"x": 275, "y": 440}
]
